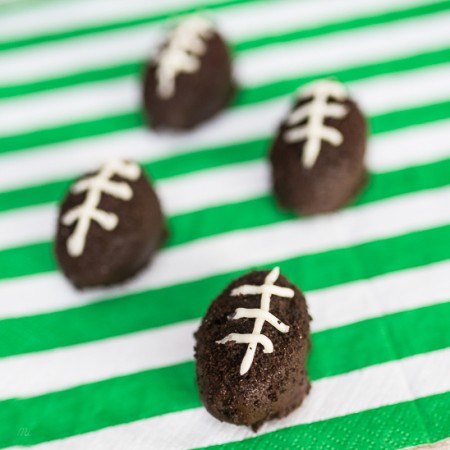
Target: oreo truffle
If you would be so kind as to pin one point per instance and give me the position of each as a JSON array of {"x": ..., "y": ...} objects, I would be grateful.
[
  {"x": 317, "y": 157},
  {"x": 251, "y": 350},
  {"x": 110, "y": 224},
  {"x": 190, "y": 79}
]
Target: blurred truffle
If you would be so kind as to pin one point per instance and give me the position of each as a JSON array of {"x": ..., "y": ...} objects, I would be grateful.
[
  {"x": 190, "y": 79},
  {"x": 110, "y": 224},
  {"x": 318, "y": 154}
]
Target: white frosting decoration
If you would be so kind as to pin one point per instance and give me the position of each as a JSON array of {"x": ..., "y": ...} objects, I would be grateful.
[
  {"x": 316, "y": 111},
  {"x": 261, "y": 315},
  {"x": 88, "y": 211},
  {"x": 182, "y": 52}
]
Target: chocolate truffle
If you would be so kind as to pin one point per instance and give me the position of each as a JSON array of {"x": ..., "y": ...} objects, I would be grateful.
[
  {"x": 190, "y": 79},
  {"x": 109, "y": 226},
  {"x": 318, "y": 155},
  {"x": 251, "y": 350}
]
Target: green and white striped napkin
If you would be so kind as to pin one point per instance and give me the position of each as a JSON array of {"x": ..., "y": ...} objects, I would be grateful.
[{"x": 113, "y": 368}]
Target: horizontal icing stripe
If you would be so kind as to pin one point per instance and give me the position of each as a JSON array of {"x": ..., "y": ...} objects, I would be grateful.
[
  {"x": 28, "y": 375},
  {"x": 123, "y": 313},
  {"x": 172, "y": 389}
]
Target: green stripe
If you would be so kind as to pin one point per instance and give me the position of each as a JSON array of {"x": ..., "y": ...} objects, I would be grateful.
[
  {"x": 351, "y": 24},
  {"x": 189, "y": 162},
  {"x": 135, "y": 67},
  {"x": 80, "y": 130},
  {"x": 165, "y": 306},
  {"x": 388, "y": 428},
  {"x": 159, "y": 391},
  {"x": 66, "y": 81},
  {"x": 395, "y": 120},
  {"x": 20, "y": 43},
  {"x": 37, "y": 258},
  {"x": 379, "y": 340}
]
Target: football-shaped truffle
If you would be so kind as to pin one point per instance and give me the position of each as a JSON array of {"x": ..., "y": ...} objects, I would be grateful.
[
  {"x": 318, "y": 155},
  {"x": 109, "y": 225},
  {"x": 252, "y": 348},
  {"x": 190, "y": 79}
]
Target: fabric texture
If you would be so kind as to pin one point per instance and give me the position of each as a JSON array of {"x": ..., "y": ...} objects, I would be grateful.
[{"x": 113, "y": 368}]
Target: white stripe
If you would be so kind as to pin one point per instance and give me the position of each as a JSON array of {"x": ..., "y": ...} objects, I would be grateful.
[
  {"x": 242, "y": 249},
  {"x": 408, "y": 147},
  {"x": 385, "y": 294},
  {"x": 372, "y": 387},
  {"x": 376, "y": 95},
  {"x": 212, "y": 187},
  {"x": 71, "y": 366},
  {"x": 403, "y": 90},
  {"x": 135, "y": 43},
  {"x": 49, "y": 371},
  {"x": 42, "y": 19},
  {"x": 56, "y": 108},
  {"x": 337, "y": 51}
]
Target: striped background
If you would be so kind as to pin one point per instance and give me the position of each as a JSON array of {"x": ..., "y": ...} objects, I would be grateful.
[{"x": 112, "y": 368}]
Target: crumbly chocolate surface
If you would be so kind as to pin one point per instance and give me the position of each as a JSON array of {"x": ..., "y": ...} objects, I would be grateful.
[{"x": 276, "y": 382}]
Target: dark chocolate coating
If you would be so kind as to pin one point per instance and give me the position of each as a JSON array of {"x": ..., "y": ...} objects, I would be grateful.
[
  {"x": 277, "y": 382},
  {"x": 198, "y": 95},
  {"x": 110, "y": 257},
  {"x": 337, "y": 175}
]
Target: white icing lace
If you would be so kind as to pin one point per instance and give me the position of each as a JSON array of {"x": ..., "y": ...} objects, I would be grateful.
[
  {"x": 88, "y": 211},
  {"x": 314, "y": 131},
  {"x": 261, "y": 315},
  {"x": 182, "y": 53}
]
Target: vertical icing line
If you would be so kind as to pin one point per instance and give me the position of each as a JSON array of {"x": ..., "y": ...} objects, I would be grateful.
[
  {"x": 88, "y": 211},
  {"x": 185, "y": 46},
  {"x": 315, "y": 112},
  {"x": 261, "y": 315}
]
